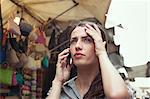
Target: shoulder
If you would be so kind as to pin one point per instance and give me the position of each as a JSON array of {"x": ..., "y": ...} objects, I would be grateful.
[{"x": 69, "y": 90}]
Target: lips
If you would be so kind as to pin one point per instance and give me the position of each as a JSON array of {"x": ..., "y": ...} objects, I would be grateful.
[{"x": 78, "y": 55}]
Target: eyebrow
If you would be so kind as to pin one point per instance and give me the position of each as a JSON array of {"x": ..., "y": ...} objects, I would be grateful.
[{"x": 81, "y": 37}]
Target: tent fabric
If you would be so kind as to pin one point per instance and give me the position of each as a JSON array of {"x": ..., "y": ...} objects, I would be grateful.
[{"x": 37, "y": 12}]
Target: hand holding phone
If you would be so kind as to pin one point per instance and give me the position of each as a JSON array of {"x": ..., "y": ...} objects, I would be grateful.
[{"x": 63, "y": 69}]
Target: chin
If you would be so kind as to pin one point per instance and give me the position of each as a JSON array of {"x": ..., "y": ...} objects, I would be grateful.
[{"x": 81, "y": 63}]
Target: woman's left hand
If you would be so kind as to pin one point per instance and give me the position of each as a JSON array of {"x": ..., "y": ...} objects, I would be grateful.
[{"x": 95, "y": 33}]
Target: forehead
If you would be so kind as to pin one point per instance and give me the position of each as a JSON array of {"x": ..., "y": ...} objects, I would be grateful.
[{"x": 78, "y": 31}]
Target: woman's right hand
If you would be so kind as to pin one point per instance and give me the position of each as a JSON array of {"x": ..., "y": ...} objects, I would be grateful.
[{"x": 62, "y": 68}]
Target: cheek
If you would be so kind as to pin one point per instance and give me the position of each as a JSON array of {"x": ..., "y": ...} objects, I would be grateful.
[
  {"x": 91, "y": 51},
  {"x": 72, "y": 50},
  {"x": 91, "y": 55},
  {"x": 92, "y": 48}
]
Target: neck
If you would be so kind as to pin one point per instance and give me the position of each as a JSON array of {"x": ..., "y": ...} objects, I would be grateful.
[{"x": 85, "y": 77}]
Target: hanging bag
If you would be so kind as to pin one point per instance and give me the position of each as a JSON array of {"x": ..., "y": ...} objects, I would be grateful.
[
  {"x": 6, "y": 75},
  {"x": 11, "y": 56},
  {"x": 12, "y": 27}
]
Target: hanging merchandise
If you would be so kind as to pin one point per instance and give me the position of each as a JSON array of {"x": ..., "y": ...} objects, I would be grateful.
[
  {"x": 14, "y": 44},
  {"x": 41, "y": 37},
  {"x": 3, "y": 47},
  {"x": 39, "y": 84},
  {"x": 11, "y": 56},
  {"x": 52, "y": 42},
  {"x": 45, "y": 62},
  {"x": 19, "y": 46},
  {"x": 32, "y": 86},
  {"x": 12, "y": 27},
  {"x": 33, "y": 35},
  {"x": 14, "y": 80},
  {"x": 23, "y": 45},
  {"x": 4, "y": 40},
  {"x": 25, "y": 28},
  {"x": 2, "y": 56},
  {"x": 26, "y": 87},
  {"x": 32, "y": 63},
  {"x": 39, "y": 48},
  {"x": 19, "y": 78},
  {"x": 7, "y": 75},
  {"x": 23, "y": 59},
  {"x": 37, "y": 40}
]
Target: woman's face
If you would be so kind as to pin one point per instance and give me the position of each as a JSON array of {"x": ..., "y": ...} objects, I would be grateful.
[{"x": 82, "y": 47}]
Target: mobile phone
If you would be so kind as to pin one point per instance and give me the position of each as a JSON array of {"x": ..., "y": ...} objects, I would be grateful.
[{"x": 69, "y": 58}]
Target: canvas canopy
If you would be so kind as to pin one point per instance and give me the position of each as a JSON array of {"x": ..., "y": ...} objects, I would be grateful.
[{"x": 38, "y": 12}]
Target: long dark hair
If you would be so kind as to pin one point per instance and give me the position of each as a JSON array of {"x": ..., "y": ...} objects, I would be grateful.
[{"x": 74, "y": 24}]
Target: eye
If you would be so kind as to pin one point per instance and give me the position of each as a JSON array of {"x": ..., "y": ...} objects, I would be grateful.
[
  {"x": 73, "y": 41},
  {"x": 88, "y": 40}
]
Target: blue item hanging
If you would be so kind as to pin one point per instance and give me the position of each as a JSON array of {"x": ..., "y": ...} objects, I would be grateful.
[
  {"x": 2, "y": 56},
  {"x": 19, "y": 78},
  {"x": 45, "y": 62}
]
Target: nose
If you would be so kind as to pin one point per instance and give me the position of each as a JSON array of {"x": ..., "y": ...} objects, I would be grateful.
[{"x": 78, "y": 45}]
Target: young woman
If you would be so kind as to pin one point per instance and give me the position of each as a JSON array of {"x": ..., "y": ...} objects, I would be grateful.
[{"x": 96, "y": 76}]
